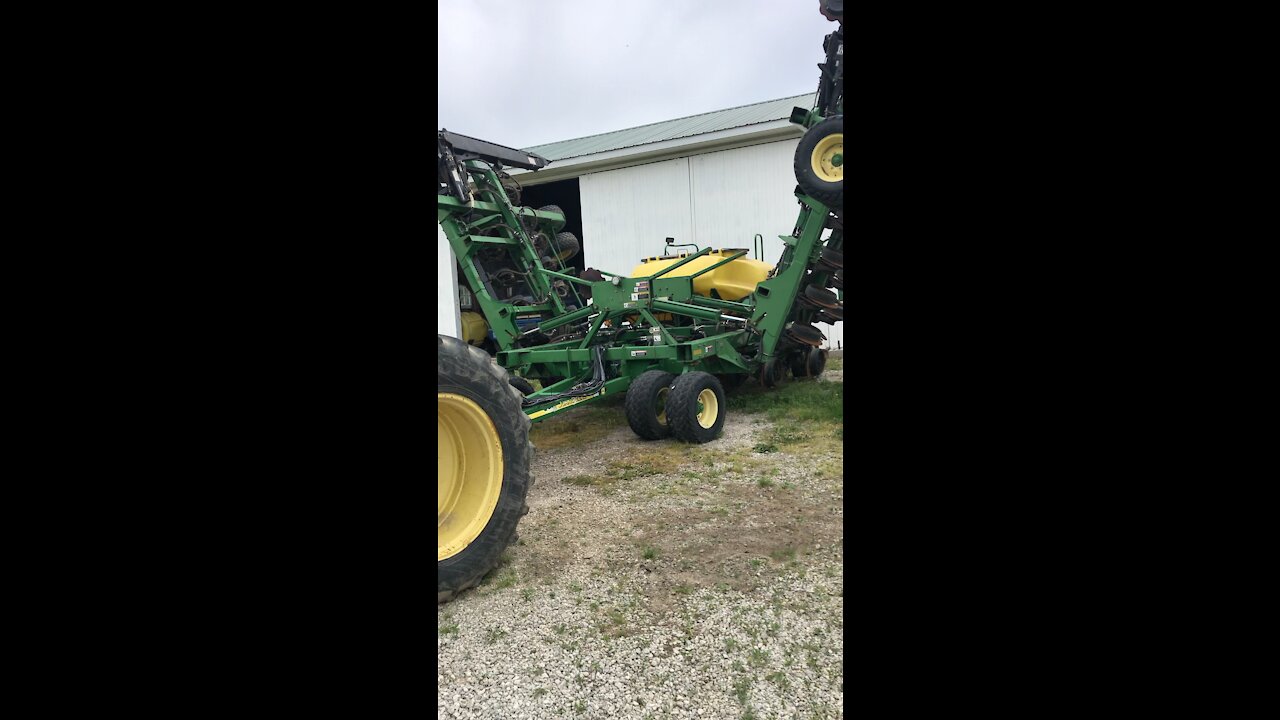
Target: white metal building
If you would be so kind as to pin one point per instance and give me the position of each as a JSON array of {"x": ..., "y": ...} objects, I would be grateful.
[{"x": 717, "y": 179}]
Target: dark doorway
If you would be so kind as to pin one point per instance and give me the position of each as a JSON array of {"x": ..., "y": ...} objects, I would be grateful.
[{"x": 564, "y": 194}]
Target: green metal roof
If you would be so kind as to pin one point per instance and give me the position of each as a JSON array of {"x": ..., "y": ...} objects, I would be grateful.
[{"x": 671, "y": 129}]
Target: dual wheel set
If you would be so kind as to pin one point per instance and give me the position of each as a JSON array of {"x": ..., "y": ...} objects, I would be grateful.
[{"x": 690, "y": 407}]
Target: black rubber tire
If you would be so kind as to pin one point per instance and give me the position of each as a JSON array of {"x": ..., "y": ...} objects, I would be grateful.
[
  {"x": 511, "y": 187},
  {"x": 524, "y": 386},
  {"x": 830, "y": 194},
  {"x": 555, "y": 209},
  {"x": 467, "y": 371},
  {"x": 817, "y": 362},
  {"x": 643, "y": 406},
  {"x": 798, "y": 364},
  {"x": 731, "y": 381},
  {"x": 567, "y": 246},
  {"x": 682, "y": 407},
  {"x": 772, "y": 374}
]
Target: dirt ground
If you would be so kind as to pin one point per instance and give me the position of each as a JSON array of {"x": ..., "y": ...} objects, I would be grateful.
[{"x": 664, "y": 580}]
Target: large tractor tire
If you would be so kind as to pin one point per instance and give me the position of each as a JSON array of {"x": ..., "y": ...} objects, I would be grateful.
[
  {"x": 482, "y": 465},
  {"x": 819, "y": 162},
  {"x": 696, "y": 407}
]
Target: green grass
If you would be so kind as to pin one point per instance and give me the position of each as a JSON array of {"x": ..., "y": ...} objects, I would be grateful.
[
  {"x": 786, "y": 554},
  {"x": 795, "y": 403},
  {"x": 586, "y": 481},
  {"x": 779, "y": 679}
]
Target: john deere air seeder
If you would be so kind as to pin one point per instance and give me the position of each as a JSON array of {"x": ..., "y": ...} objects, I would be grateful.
[{"x": 672, "y": 335}]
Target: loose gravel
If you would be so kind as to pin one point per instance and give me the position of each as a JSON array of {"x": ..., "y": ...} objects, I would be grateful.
[{"x": 660, "y": 580}]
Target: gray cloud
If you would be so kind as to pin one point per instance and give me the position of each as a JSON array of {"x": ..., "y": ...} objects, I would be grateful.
[{"x": 523, "y": 73}]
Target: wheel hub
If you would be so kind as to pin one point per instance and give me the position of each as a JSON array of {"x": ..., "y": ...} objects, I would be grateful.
[
  {"x": 828, "y": 158},
  {"x": 708, "y": 408},
  {"x": 469, "y": 471}
]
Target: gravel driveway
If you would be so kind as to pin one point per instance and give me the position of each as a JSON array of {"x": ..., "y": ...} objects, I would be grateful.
[{"x": 662, "y": 580}]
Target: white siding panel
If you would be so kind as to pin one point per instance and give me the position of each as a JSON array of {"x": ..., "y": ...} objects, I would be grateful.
[
  {"x": 721, "y": 199},
  {"x": 626, "y": 213},
  {"x": 448, "y": 321},
  {"x": 738, "y": 193}
]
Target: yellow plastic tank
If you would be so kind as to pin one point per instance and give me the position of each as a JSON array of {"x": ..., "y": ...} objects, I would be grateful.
[
  {"x": 731, "y": 281},
  {"x": 474, "y": 328}
]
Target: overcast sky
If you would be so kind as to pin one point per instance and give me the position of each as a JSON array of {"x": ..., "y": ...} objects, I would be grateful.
[{"x": 528, "y": 72}]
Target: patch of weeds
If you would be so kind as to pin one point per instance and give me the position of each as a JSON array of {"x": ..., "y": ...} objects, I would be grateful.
[
  {"x": 493, "y": 635},
  {"x": 650, "y": 552},
  {"x": 759, "y": 658},
  {"x": 731, "y": 645},
  {"x": 576, "y": 587},
  {"x": 742, "y": 690},
  {"x": 784, "y": 554},
  {"x": 766, "y": 448},
  {"x": 580, "y": 707},
  {"x": 779, "y": 679},
  {"x": 527, "y": 594},
  {"x": 683, "y": 589},
  {"x": 764, "y": 483},
  {"x": 539, "y": 692},
  {"x": 447, "y": 630}
]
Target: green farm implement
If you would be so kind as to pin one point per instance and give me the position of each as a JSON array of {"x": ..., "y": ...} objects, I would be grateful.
[{"x": 671, "y": 336}]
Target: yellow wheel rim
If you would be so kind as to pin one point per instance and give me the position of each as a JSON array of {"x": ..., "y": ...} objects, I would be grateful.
[
  {"x": 468, "y": 473},
  {"x": 828, "y": 158},
  {"x": 708, "y": 408},
  {"x": 662, "y": 405}
]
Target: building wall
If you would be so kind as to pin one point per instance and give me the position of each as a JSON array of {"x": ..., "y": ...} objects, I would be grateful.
[
  {"x": 721, "y": 199},
  {"x": 448, "y": 321}
]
